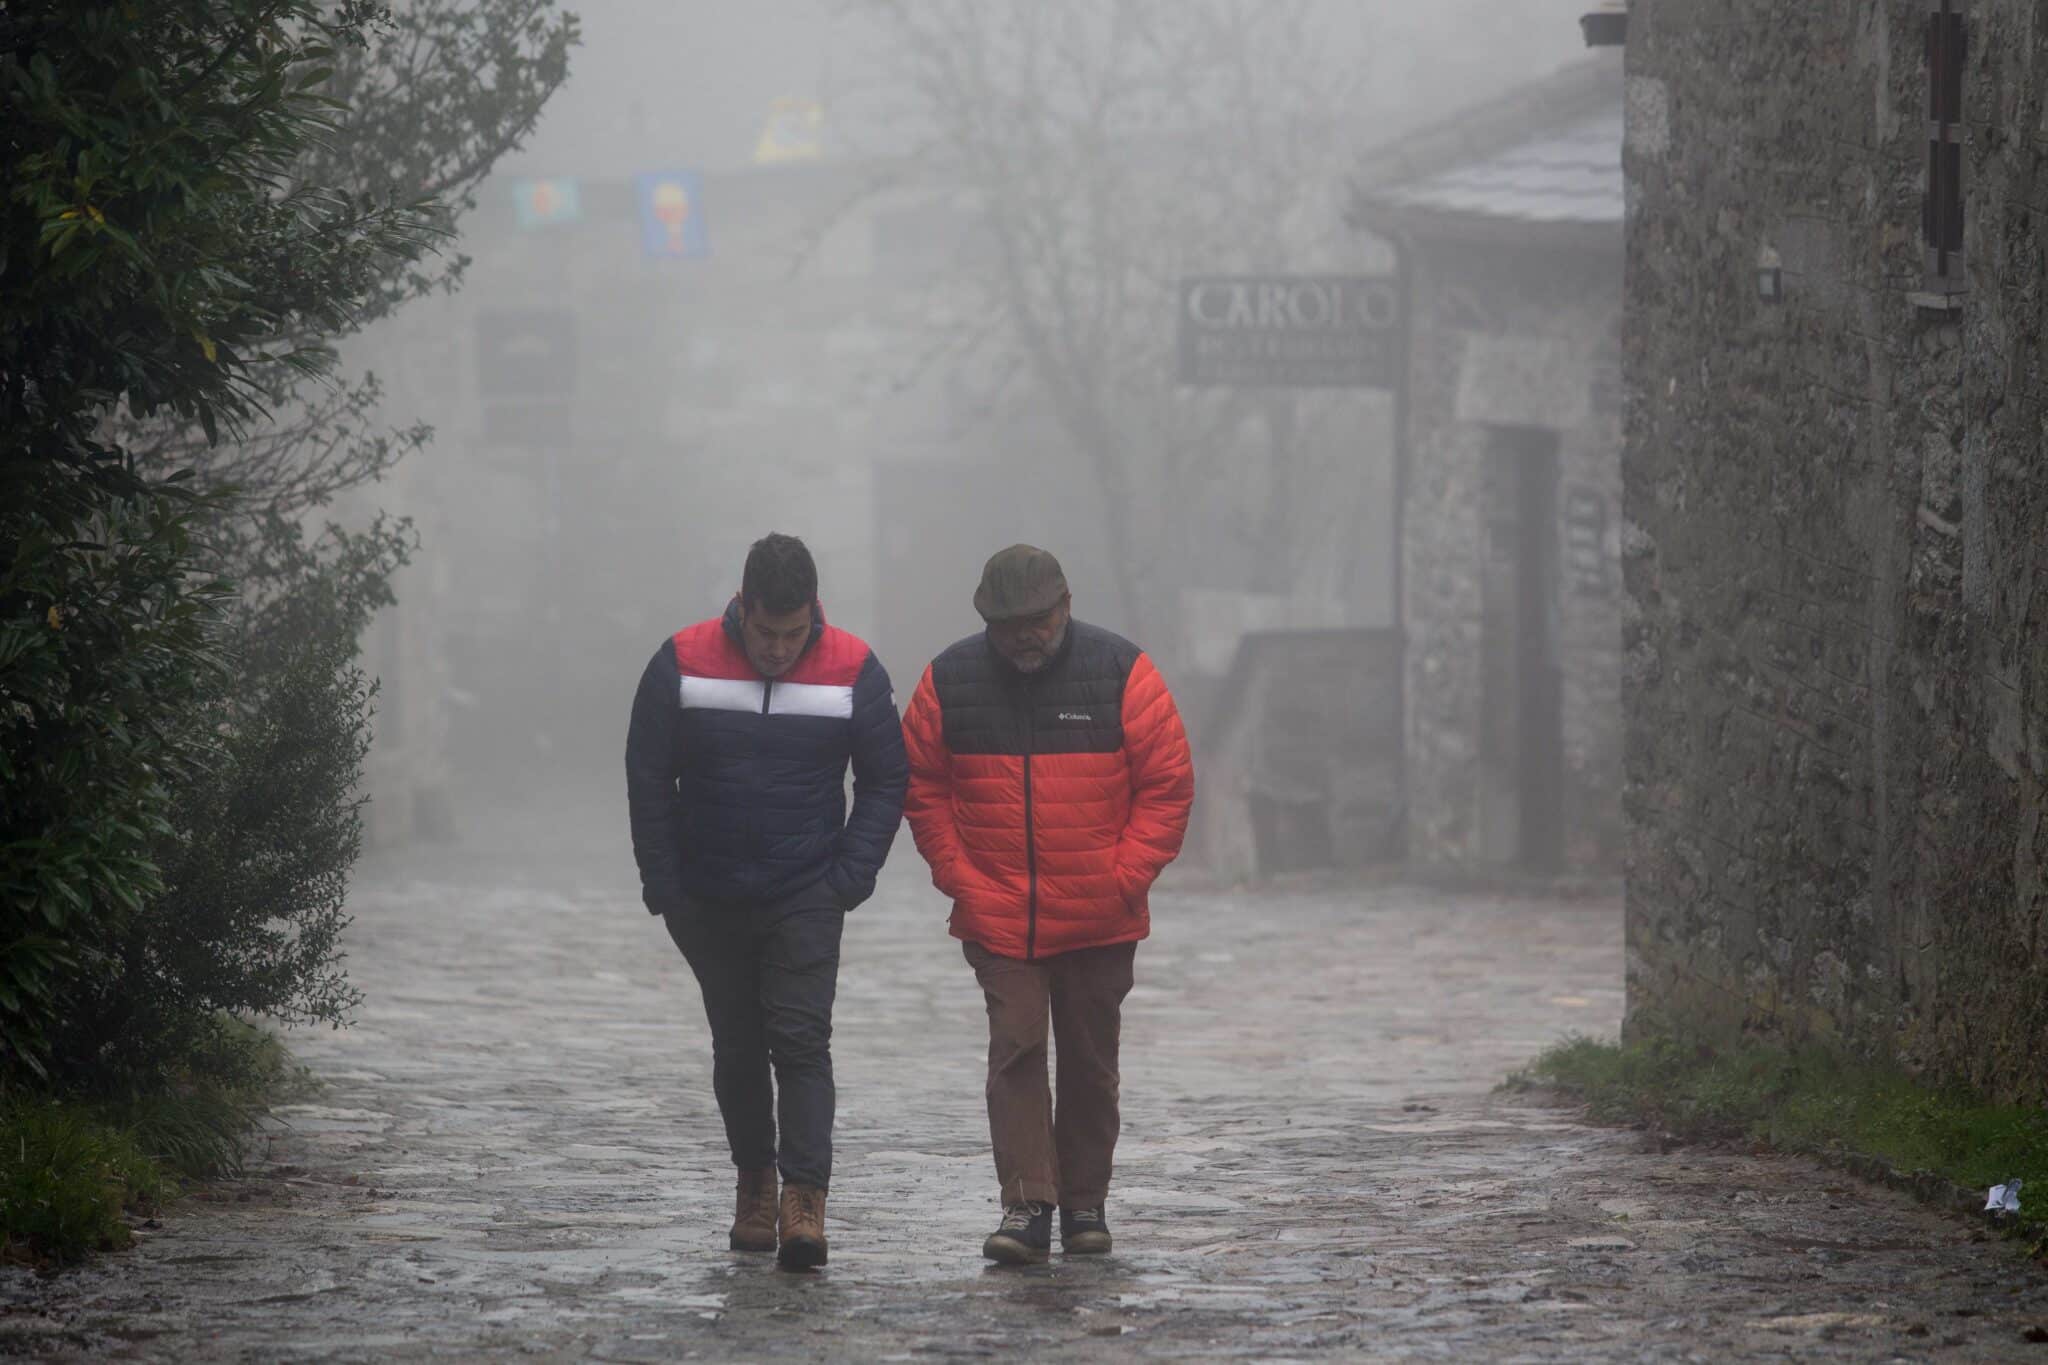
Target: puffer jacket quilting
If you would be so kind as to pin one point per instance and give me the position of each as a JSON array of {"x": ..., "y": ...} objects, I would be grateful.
[
  {"x": 1047, "y": 804},
  {"x": 736, "y": 783}
]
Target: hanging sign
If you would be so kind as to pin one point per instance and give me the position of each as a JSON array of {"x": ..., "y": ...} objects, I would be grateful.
[
  {"x": 672, "y": 214},
  {"x": 1290, "y": 331},
  {"x": 795, "y": 131},
  {"x": 543, "y": 203}
]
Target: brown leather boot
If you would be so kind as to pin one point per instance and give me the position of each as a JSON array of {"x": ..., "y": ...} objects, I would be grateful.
[
  {"x": 753, "y": 1219},
  {"x": 803, "y": 1227}
]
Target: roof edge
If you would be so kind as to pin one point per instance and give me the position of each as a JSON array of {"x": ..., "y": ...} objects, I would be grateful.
[
  {"x": 1424, "y": 228},
  {"x": 1574, "y": 91}
]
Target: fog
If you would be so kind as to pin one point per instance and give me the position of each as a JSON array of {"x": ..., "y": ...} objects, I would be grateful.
[
  {"x": 938, "y": 320},
  {"x": 1434, "y": 897}
]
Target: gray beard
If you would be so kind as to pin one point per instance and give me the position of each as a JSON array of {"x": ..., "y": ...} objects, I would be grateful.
[{"x": 1052, "y": 649}]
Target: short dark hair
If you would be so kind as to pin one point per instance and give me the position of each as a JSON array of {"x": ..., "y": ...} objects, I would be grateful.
[{"x": 780, "y": 576}]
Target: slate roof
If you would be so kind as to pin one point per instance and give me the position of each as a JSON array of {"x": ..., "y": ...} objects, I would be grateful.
[
  {"x": 1567, "y": 175},
  {"x": 1542, "y": 157}
]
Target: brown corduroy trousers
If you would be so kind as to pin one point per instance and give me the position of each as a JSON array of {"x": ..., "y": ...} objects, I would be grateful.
[{"x": 1045, "y": 1154}]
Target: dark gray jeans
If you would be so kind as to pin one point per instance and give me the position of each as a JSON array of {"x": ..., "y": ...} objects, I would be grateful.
[{"x": 769, "y": 973}]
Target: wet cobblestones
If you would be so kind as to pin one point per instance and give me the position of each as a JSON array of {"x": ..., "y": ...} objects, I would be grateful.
[{"x": 516, "y": 1155}]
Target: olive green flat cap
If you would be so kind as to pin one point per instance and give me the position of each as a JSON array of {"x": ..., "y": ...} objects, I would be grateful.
[{"x": 1020, "y": 581}]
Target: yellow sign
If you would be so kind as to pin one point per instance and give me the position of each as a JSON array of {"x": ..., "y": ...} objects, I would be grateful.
[{"x": 795, "y": 131}]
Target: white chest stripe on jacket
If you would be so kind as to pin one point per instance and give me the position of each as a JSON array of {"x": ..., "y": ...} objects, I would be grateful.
[
  {"x": 810, "y": 699},
  {"x": 721, "y": 694},
  {"x": 788, "y": 699}
]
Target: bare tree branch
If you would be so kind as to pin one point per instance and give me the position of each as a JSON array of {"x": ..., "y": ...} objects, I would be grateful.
[{"x": 1113, "y": 148}]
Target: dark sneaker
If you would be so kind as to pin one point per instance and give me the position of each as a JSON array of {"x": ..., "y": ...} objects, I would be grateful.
[
  {"x": 1084, "y": 1232},
  {"x": 1024, "y": 1238}
]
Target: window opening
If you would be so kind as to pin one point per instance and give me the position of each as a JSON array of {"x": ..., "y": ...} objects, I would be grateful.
[{"x": 1942, "y": 210}]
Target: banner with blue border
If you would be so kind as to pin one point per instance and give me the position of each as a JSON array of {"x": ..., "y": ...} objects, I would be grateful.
[{"x": 672, "y": 214}]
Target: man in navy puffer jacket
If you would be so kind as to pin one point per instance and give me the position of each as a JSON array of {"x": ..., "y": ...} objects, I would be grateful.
[{"x": 736, "y": 761}]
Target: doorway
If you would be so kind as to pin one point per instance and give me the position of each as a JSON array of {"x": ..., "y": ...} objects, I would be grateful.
[{"x": 1522, "y": 732}]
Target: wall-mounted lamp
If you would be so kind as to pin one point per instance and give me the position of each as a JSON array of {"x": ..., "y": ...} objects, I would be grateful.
[
  {"x": 1770, "y": 276},
  {"x": 1606, "y": 26}
]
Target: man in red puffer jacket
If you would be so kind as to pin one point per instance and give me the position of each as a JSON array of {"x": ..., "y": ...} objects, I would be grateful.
[{"x": 1050, "y": 783}]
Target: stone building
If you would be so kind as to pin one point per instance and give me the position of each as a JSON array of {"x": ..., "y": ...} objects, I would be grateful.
[
  {"x": 1837, "y": 511},
  {"x": 1508, "y": 223}
]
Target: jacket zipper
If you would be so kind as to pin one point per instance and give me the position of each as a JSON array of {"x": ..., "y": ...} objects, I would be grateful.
[
  {"x": 767, "y": 690},
  {"x": 1030, "y": 842}
]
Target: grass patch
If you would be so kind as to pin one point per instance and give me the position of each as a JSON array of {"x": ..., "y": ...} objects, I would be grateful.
[
  {"x": 66, "y": 1178},
  {"x": 1806, "y": 1100},
  {"x": 74, "y": 1169}
]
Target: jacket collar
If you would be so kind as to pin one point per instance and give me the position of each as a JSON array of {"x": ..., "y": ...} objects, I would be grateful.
[{"x": 737, "y": 635}]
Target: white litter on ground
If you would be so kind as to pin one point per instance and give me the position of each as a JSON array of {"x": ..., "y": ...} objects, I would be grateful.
[{"x": 2004, "y": 1198}]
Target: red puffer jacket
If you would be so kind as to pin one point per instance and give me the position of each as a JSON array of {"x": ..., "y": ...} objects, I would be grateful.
[{"x": 1047, "y": 804}]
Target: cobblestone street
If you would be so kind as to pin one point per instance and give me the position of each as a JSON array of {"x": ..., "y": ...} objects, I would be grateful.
[{"x": 516, "y": 1154}]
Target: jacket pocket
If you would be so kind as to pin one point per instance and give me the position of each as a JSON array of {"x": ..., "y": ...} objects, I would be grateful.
[
  {"x": 1132, "y": 887},
  {"x": 847, "y": 895},
  {"x": 949, "y": 882},
  {"x": 822, "y": 894}
]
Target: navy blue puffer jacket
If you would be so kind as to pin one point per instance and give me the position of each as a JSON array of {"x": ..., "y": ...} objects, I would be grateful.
[{"x": 736, "y": 783}]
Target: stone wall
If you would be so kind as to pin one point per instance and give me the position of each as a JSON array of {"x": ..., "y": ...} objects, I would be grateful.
[
  {"x": 1511, "y": 336},
  {"x": 1837, "y": 686},
  {"x": 1300, "y": 755}
]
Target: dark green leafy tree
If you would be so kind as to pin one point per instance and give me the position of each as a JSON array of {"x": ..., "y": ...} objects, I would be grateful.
[
  {"x": 197, "y": 197},
  {"x": 253, "y": 863}
]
